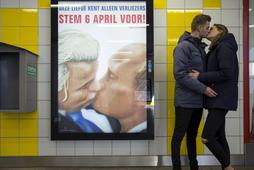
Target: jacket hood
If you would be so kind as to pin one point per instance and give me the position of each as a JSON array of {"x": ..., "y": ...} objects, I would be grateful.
[
  {"x": 187, "y": 36},
  {"x": 229, "y": 39}
]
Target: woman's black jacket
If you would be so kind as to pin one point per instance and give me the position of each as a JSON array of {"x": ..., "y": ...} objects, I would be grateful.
[{"x": 221, "y": 74}]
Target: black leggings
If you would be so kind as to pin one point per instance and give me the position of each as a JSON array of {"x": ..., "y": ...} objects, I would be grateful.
[
  {"x": 214, "y": 133},
  {"x": 186, "y": 121}
]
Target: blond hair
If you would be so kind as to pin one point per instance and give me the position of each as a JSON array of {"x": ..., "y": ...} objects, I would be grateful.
[{"x": 74, "y": 45}]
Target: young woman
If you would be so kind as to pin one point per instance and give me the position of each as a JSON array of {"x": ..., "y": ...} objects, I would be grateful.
[{"x": 221, "y": 74}]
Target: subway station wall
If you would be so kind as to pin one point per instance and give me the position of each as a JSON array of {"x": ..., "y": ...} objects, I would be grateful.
[{"x": 26, "y": 23}]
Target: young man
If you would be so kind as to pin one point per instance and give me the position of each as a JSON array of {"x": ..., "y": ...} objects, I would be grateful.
[{"x": 189, "y": 54}]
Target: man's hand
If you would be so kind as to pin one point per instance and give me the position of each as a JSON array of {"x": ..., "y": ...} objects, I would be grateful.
[
  {"x": 194, "y": 74},
  {"x": 210, "y": 92}
]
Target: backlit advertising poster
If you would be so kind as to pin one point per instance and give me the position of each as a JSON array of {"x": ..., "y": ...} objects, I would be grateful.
[{"x": 102, "y": 70}]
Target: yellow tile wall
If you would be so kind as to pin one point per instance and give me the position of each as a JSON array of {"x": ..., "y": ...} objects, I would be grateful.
[
  {"x": 43, "y": 3},
  {"x": 10, "y": 35},
  {"x": 173, "y": 34},
  {"x": 28, "y": 146},
  {"x": 170, "y": 50},
  {"x": 9, "y": 146},
  {"x": 9, "y": 17},
  {"x": 189, "y": 15},
  {"x": 175, "y": 18},
  {"x": 160, "y": 4},
  {"x": 28, "y": 18},
  {"x": 9, "y": 128},
  {"x": 19, "y": 27},
  {"x": 211, "y": 4},
  {"x": 19, "y": 131}
]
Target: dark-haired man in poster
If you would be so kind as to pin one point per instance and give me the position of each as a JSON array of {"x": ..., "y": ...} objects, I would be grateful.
[{"x": 123, "y": 92}]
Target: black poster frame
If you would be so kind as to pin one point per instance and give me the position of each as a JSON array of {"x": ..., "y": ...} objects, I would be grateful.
[{"x": 55, "y": 134}]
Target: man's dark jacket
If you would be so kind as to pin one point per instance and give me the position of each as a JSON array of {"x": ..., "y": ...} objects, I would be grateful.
[{"x": 188, "y": 55}]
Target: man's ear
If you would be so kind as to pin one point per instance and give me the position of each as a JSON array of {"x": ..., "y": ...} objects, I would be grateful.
[{"x": 199, "y": 28}]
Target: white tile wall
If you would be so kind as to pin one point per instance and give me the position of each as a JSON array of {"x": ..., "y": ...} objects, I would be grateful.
[
  {"x": 240, "y": 54},
  {"x": 160, "y": 126},
  {"x": 193, "y": 4},
  {"x": 241, "y": 71},
  {"x": 240, "y": 90},
  {"x": 121, "y": 147},
  {"x": 44, "y": 128},
  {"x": 158, "y": 146},
  {"x": 159, "y": 36},
  {"x": 160, "y": 108},
  {"x": 158, "y": 17},
  {"x": 139, "y": 147},
  {"x": 28, "y": 3},
  {"x": 241, "y": 145},
  {"x": 160, "y": 54},
  {"x": 160, "y": 72},
  {"x": 44, "y": 54},
  {"x": 65, "y": 148},
  {"x": 84, "y": 147},
  {"x": 160, "y": 89},
  {"x": 44, "y": 109},
  {"x": 44, "y": 72},
  {"x": 229, "y": 15},
  {"x": 241, "y": 35},
  {"x": 102, "y": 147},
  {"x": 234, "y": 144},
  {"x": 233, "y": 114},
  {"x": 232, "y": 126},
  {"x": 241, "y": 126},
  {"x": 44, "y": 91},
  {"x": 9, "y": 4},
  {"x": 174, "y": 4},
  {"x": 241, "y": 17},
  {"x": 230, "y": 4},
  {"x": 44, "y": 15},
  {"x": 241, "y": 4},
  {"x": 235, "y": 31},
  {"x": 47, "y": 147},
  {"x": 241, "y": 107},
  {"x": 215, "y": 15},
  {"x": 44, "y": 36}
]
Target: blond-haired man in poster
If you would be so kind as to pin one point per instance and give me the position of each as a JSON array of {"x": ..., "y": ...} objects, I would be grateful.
[{"x": 77, "y": 87}]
